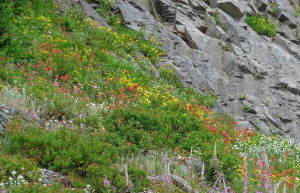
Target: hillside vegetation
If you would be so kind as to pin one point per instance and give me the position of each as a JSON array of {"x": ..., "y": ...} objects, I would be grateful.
[{"x": 93, "y": 105}]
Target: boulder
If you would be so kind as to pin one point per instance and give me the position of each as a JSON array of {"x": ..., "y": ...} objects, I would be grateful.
[
  {"x": 261, "y": 5},
  {"x": 292, "y": 48},
  {"x": 198, "y": 5},
  {"x": 92, "y": 13},
  {"x": 167, "y": 9},
  {"x": 231, "y": 7}
]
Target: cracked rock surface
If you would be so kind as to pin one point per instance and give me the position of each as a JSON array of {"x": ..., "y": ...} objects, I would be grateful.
[{"x": 265, "y": 70}]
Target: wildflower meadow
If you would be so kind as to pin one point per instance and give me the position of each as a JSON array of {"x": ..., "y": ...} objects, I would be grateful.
[{"x": 96, "y": 107}]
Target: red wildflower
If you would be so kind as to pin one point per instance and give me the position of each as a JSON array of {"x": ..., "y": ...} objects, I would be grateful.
[
  {"x": 129, "y": 144},
  {"x": 224, "y": 133},
  {"x": 184, "y": 159},
  {"x": 287, "y": 153},
  {"x": 119, "y": 123},
  {"x": 291, "y": 170},
  {"x": 273, "y": 157}
]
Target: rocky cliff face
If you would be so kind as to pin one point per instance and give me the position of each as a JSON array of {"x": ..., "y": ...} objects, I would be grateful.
[{"x": 256, "y": 77}]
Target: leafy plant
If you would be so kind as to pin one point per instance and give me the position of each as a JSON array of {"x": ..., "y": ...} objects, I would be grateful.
[
  {"x": 226, "y": 47},
  {"x": 40, "y": 188},
  {"x": 274, "y": 9},
  {"x": 206, "y": 1},
  {"x": 248, "y": 109},
  {"x": 261, "y": 25},
  {"x": 216, "y": 18},
  {"x": 243, "y": 97},
  {"x": 14, "y": 166},
  {"x": 259, "y": 76},
  {"x": 264, "y": 103}
]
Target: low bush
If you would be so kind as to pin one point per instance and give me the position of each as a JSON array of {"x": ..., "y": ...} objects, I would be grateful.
[{"x": 261, "y": 25}]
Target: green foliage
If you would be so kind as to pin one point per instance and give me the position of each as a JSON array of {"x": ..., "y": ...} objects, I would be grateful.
[
  {"x": 259, "y": 76},
  {"x": 242, "y": 97},
  {"x": 65, "y": 150},
  {"x": 139, "y": 178},
  {"x": 261, "y": 25},
  {"x": 226, "y": 47},
  {"x": 206, "y": 1},
  {"x": 216, "y": 18},
  {"x": 21, "y": 166},
  {"x": 297, "y": 12},
  {"x": 40, "y": 188},
  {"x": 248, "y": 109},
  {"x": 274, "y": 10},
  {"x": 264, "y": 103},
  {"x": 98, "y": 82}
]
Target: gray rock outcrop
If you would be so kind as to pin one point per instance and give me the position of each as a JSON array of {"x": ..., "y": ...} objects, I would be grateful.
[
  {"x": 5, "y": 116},
  {"x": 265, "y": 70}
]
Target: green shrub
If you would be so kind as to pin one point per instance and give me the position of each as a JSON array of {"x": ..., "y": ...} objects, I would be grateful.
[
  {"x": 40, "y": 188},
  {"x": 242, "y": 97},
  {"x": 261, "y": 25},
  {"x": 13, "y": 166},
  {"x": 206, "y": 1},
  {"x": 216, "y": 18},
  {"x": 248, "y": 109}
]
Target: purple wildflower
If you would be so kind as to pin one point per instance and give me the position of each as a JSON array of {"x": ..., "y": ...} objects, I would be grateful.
[
  {"x": 33, "y": 114},
  {"x": 128, "y": 182},
  {"x": 106, "y": 183},
  {"x": 3, "y": 191},
  {"x": 167, "y": 179}
]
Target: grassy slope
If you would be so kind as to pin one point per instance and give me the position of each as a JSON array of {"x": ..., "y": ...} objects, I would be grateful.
[{"x": 96, "y": 88}]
